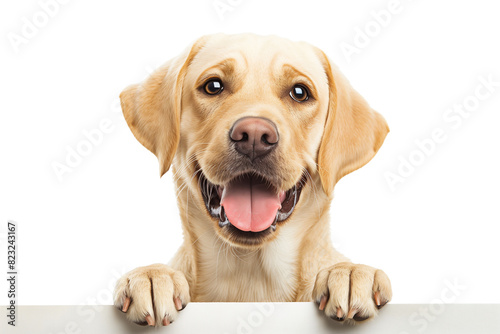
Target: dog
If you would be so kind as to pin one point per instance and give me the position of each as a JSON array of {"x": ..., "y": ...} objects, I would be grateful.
[{"x": 258, "y": 130}]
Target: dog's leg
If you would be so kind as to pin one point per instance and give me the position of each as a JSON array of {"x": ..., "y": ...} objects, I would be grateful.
[
  {"x": 347, "y": 291},
  {"x": 343, "y": 290},
  {"x": 152, "y": 295},
  {"x": 316, "y": 256}
]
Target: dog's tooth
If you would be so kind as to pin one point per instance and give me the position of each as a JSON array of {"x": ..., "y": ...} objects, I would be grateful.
[
  {"x": 282, "y": 196},
  {"x": 275, "y": 219},
  {"x": 215, "y": 211},
  {"x": 223, "y": 221},
  {"x": 222, "y": 214}
]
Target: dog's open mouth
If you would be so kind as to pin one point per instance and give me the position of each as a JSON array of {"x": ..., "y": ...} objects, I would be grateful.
[{"x": 249, "y": 203}]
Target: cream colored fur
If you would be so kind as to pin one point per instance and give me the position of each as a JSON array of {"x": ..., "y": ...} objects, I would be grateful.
[{"x": 326, "y": 139}]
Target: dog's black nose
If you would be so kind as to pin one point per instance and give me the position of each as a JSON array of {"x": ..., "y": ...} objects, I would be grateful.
[{"x": 254, "y": 136}]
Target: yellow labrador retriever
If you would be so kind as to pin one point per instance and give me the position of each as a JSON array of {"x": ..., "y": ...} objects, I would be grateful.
[{"x": 258, "y": 131}]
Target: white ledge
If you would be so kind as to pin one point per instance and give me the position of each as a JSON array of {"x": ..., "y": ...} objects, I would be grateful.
[{"x": 246, "y": 318}]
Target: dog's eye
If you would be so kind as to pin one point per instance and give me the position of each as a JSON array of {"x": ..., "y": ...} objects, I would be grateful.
[
  {"x": 299, "y": 93},
  {"x": 213, "y": 87}
]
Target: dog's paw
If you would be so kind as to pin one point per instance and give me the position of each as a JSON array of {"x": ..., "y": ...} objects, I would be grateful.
[
  {"x": 348, "y": 291},
  {"x": 152, "y": 295}
]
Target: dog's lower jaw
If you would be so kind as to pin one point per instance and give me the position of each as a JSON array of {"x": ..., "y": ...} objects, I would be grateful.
[
  {"x": 229, "y": 274},
  {"x": 283, "y": 269},
  {"x": 251, "y": 228}
]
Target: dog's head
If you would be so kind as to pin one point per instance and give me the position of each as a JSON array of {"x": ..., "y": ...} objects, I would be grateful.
[{"x": 250, "y": 123}]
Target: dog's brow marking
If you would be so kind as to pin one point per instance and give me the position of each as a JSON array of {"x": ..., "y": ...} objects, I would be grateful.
[
  {"x": 290, "y": 69},
  {"x": 226, "y": 66}
]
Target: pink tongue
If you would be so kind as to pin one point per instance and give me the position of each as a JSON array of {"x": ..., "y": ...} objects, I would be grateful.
[{"x": 251, "y": 205}]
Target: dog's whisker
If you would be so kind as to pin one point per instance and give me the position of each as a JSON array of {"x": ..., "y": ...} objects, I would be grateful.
[
  {"x": 314, "y": 191},
  {"x": 201, "y": 235},
  {"x": 185, "y": 184},
  {"x": 228, "y": 249},
  {"x": 239, "y": 172},
  {"x": 217, "y": 262},
  {"x": 184, "y": 165},
  {"x": 181, "y": 187},
  {"x": 189, "y": 160}
]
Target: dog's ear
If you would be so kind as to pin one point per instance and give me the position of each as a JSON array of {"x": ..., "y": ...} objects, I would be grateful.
[
  {"x": 353, "y": 131},
  {"x": 152, "y": 108}
]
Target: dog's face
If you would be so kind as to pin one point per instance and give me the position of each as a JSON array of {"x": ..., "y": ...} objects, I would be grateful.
[
  {"x": 252, "y": 118},
  {"x": 252, "y": 122}
]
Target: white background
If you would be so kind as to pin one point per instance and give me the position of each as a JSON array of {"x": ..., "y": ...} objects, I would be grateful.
[{"x": 112, "y": 213}]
